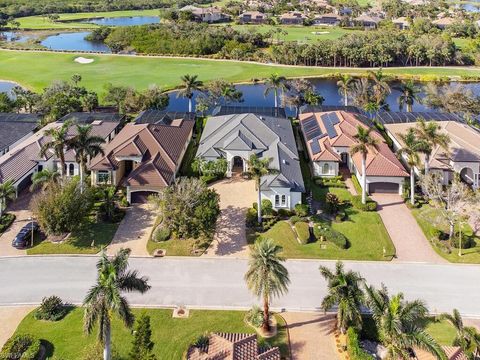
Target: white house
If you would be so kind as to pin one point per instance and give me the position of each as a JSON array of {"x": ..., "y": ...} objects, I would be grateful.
[
  {"x": 329, "y": 137},
  {"x": 236, "y": 137}
]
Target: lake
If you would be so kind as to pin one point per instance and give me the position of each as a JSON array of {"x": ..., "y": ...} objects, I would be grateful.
[
  {"x": 74, "y": 41},
  {"x": 125, "y": 21},
  {"x": 14, "y": 37},
  {"x": 6, "y": 86}
]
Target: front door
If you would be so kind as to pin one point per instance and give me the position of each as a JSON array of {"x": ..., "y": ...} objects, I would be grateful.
[{"x": 128, "y": 167}]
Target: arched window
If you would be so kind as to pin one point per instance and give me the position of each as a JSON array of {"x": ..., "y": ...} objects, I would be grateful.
[
  {"x": 71, "y": 169},
  {"x": 326, "y": 168}
]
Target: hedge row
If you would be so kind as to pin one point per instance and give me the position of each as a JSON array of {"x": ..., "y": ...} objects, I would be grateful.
[
  {"x": 353, "y": 347},
  {"x": 6, "y": 220},
  {"x": 330, "y": 235},
  {"x": 369, "y": 206},
  {"x": 303, "y": 231},
  {"x": 22, "y": 347}
]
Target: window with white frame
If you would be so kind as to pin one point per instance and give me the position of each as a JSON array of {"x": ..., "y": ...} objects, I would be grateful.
[
  {"x": 103, "y": 176},
  {"x": 326, "y": 168},
  {"x": 280, "y": 200},
  {"x": 71, "y": 169}
]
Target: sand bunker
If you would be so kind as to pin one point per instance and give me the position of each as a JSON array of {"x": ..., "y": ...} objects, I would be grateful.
[
  {"x": 320, "y": 32},
  {"x": 82, "y": 60}
]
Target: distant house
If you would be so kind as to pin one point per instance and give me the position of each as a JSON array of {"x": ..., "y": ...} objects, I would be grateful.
[
  {"x": 329, "y": 136},
  {"x": 145, "y": 156},
  {"x": 252, "y": 17},
  {"x": 23, "y": 160},
  {"x": 229, "y": 346},
  {"x": 367, "y": 21},
  {"x": 208, "y": 14},
  {"x": 401, "y": 23},
  {"x": 236, "y": 137},
  {"x": 14, "y": 128},
  {"x": 463, "y": 156},
  {"x": 292, "y": 18},
  {"x": 327, "y": 19},
  {"x": 443, "y": 23}
]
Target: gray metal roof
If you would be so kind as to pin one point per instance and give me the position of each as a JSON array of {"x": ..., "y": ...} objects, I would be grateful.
[
  {"x": 395, "y": 117},
  {"x": 258, "y": 110},
  {"x": 152, "y": 116},
  {"x": 266, "y": 136},
  {"x": 14, "y": 127},
  {"x": 89, "y": 117}
]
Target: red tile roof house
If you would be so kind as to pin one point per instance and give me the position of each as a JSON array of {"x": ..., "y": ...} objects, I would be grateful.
[
  {"x": 329, "y": 137},
  {"x": 23, "y": 160},
  {"x": 228, "y": 346},
  {"x": 145, "y": 156}
]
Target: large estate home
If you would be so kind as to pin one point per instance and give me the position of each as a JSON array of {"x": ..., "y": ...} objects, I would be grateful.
[
  {"x": 236, "y": 137},
  {"x": 330, "y": 135},
  {"x": 252, "y": 17},
  {"x": 146, "y": 155},
  {"x": 331, "y": 19},
  {"x": 463, "y": 155},
  {"x": 208, "y": 14},
  {"x": 23, "y": 160},
  {"x": 292, "y": 18},
  {"x": 14, "y": 128}
]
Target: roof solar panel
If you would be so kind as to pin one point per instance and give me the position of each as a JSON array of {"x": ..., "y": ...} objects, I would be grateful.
[
  {"x": 315, "y": 146},
  {"x": 314, "y": 133},
  {"x": 329, "y": 122},
  {"x": 310, "y": 126}
]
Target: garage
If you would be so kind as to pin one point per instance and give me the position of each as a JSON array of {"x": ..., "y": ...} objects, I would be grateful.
[
  {"x": 24, "y": 184},
  {"x": 141, "y": 197},
  {"x": 383, "y": 188}
]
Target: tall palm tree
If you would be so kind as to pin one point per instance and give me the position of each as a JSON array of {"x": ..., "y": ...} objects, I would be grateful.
[
  {"x": 429, "y": 134},
  {"x": 85, "y": 146},
  {"x": 57, "y": 143},
  {"x": 345, "y": 292},
  {"x": 266, "y": 277},
  {"x": 399, "y": 324},
  {"x": 44, "y": 179},
  {"x": 380, "y": 86},
  {"x": 345, "y": 86},
  {"x": 364, "y": 141},
  {"x": 410, "y": 149},
  {"x": 275, "y": 83},
  {"x": 256, "y": 169},
  {"x": 190, "y": 84},
  {"x": 409, "y": 94},
  {"x": 7, "y": 192},
  {"x": 105, "y": 298},
  {"x": 467, "y": 337}
]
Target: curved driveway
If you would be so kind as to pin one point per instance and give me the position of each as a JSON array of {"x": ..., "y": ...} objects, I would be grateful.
[{"x": 218, "y": 283}]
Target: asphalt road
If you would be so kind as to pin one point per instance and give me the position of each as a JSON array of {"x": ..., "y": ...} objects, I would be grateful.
[{"x": 218, "y": 283}]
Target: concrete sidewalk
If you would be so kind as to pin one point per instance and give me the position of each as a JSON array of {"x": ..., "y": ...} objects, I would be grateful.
[{"x": 11, "y": 317}]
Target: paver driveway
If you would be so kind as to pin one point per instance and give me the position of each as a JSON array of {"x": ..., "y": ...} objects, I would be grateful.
[
  {"x": 236, "y": 196},
  {"x": 21, "y": 209},
  {"x": 409, "y": 240},
  {"x": 134, "y": 231},
  {"x": 11, "y": 317}
]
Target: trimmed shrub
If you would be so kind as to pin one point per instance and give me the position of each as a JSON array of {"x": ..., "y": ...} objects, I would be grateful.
[
  {"x": 162, "y": 233},
  {"x": 330, "y": 235},
  {"x": 267, "y": 207},
  {"x": 52, "y": 308},
  {"x": 268, "y": 221},
  {"x": 303, "y": 231},
  {"x": 124, "y": 202},
  {"x": 356, "y": 184},
  {"x": 207, "y": 179},
  {"x": 251, "y": 217},
  {"x": 6, "y": 220},
  {"x": 254, "y": 316},
  {"x": 21, "y": 347},
  {"x": 301, "y": 210},
  {"x": 285, "y": 213},
  {"x": 468, "y": 242},
  {"x": 295, "y": 219},
  {"x": 369, "y": 206},
  {"x": 353, "y": 346},
  {"x": 332, "y": 203},
  {"x": 341, "y": 216}
]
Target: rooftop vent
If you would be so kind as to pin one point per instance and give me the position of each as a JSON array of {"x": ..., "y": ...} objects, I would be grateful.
[{"x": 97, "y": 122}]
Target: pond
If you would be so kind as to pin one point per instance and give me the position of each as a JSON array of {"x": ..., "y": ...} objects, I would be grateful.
[
  {"x": 6, "y": 86},
  {"x": 124, "y": 21},
  {"x": 11, "y": 36},
  {"x": 73, "y": 41},
  {"x": 473, "y": 6}
]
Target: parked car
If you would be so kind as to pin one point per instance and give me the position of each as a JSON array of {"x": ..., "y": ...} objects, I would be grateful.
[{"x": 23, "y": 238}]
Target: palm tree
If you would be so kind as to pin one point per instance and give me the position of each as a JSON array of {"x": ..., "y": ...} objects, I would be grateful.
[
  {"x": 7, "y": 192},
  {"x": 105, "y": 298},
  {"x": 399, "y": 324},
  {"x": 344, "y": 87},
  {"x": 256, "y": 169},
  {"x": 429, "y": 134},
  {"x": 44, "y": 179},
  {"x": 411, "y": 148},
  {"x": 190, "y": 83},
  {"x": 266, "y": 276},
  {"x": 409, "y": 94},
  {"x": 275, "y": 83},
  {"x": 57, "y": 143},
  {"x": 343, "y": 290},
  {"x": 467, "y": 337},
  {"x": 364, "y": 141},
  {"x": 380, "y": 86},
  {"x": 85, "y": 146}
]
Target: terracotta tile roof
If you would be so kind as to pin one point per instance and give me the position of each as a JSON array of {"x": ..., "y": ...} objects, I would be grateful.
[
  {"x": 338, "y": 129},
  {"x": 231, "y": 346},
  {"x": 160, "y": 147}
]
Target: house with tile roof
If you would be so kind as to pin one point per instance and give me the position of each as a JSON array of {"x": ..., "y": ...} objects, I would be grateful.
[
  {"x": 292, "y": 18},
  {"x": 463, "y": 156},
  {"x": 329, "y": 137},
  {"x": 252, "y": 17},
  {"x": 230, "y": 346},
  {"x": 14, "y": 128},
  {"x": 23, "y": 160},
  {"x": 236, "y": 137},
  {"x": 146, "y": 155}
]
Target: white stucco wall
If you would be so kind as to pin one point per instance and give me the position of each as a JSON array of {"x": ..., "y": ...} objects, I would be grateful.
[
  {"x": 292, "y": 198},
  {"x": 318, "y": 168}
]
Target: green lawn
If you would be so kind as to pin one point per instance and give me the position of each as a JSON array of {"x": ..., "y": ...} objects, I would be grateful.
[
  {"x": 80, "y": 241},
  {"x": 36, "y": 70},
  {"x": 67, "y": 21},
  {"x": 427, "y": 217},
  {"x": 172, "y": 337}
]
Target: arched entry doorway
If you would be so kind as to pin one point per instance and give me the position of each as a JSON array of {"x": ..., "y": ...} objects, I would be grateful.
[
  {"x": 466, "y": 174},
  {"x": 237, "y": 165}
]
